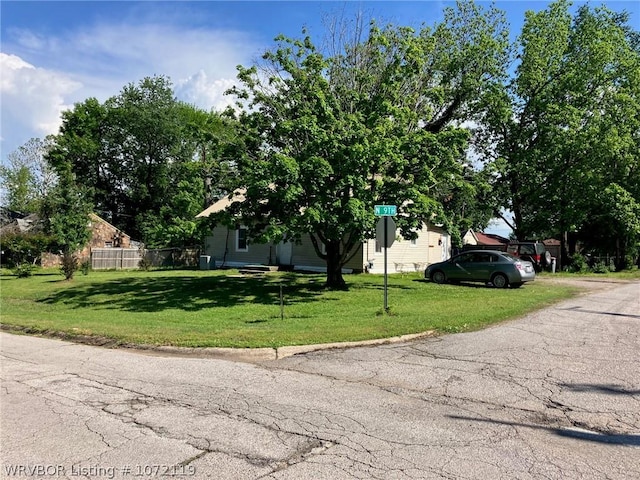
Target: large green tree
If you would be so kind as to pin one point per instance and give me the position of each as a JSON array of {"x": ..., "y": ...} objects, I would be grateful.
[
  {"x": 377, "y": 121},
  {"x": 143, "y": 159},
  {"x": 214, "y": 138},
  {"x": 566, "y": 127}
]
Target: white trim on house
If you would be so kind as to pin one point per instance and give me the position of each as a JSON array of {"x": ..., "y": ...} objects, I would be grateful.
[{"x": 246, "y": 244}]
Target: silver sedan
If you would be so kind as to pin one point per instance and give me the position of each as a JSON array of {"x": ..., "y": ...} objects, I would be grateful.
[{"x": 498, "y": 268}]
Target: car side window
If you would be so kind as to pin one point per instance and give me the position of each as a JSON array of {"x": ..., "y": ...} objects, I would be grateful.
[
  {"x": 465, "y": 258},
  {"x": 483, "y": 258},
  {"x": 527, "y": 250}
]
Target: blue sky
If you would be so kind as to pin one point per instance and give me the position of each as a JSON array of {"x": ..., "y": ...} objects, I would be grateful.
[{"x": 54, "y": 54}]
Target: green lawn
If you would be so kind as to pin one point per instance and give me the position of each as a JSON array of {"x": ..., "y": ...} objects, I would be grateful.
[{"x": 224, "y": 309}]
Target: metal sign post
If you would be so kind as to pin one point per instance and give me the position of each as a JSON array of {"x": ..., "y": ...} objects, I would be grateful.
[
  {"x": 386, "y": 235},
  {"x": 386, "y": 230}
]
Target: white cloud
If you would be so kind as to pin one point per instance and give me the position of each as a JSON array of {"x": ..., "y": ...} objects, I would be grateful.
[
  {"x": 121, "y": 53},
  {"x": 32, "y": 98},
  {"x": 45, "y": 75},
  {"x": 201, "y": 90}
]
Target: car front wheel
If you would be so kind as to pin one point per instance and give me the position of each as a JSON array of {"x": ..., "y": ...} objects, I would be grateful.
[
  {"x": 438, "y": 277},
  {"x": 500, "y": 281}
]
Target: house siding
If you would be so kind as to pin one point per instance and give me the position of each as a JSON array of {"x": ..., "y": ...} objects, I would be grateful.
[
  {"x": 221, "y": 246},
  {"x": 432, "y": 245},
  {"x": 304, "y": 257}
]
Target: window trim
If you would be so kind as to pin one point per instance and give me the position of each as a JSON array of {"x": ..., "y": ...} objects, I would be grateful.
[{"x": 246, "y": 243}]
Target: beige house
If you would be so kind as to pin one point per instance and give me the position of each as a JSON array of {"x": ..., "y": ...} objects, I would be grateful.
[{"x": 229, "y": 247}]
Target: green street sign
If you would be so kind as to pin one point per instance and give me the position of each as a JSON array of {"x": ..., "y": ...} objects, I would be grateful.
[{"x": 385, "y": 210}]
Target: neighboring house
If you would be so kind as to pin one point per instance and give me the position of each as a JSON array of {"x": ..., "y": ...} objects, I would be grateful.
[
  {"x": 229, "y": 247},
  {"x": 22, "y": 224},
  {"x": 14, "y": 222},
  {"x": 8, "y": 216},
  {"x": 103, "y": 235},
  {"x": 484, "y": 239}
]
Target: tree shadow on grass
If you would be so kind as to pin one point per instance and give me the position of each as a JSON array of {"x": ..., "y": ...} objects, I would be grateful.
[{"x": 188, "y": 293}]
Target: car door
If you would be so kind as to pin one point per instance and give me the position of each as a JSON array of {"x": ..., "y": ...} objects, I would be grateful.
[
  {"x": 463, "y": 267},
  {"x": 487, "y": 265},
  {"x": 481, "y": 267}
]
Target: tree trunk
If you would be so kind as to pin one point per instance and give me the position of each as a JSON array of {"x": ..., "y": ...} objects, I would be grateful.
[{"x": 335, "y": 281}]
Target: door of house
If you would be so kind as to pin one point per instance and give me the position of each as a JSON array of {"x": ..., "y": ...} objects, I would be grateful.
[
  {"x": 284, "y": 251},
  {"x": 444, "y": 243}
]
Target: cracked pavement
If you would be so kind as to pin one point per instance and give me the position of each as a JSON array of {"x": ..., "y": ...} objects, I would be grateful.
[{"x": 555, "y": 394}]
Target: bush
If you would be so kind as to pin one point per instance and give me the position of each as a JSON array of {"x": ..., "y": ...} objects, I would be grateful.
[
  {"x": 26, "y": 248},
  {"x": 69, "y": 265},
  {"x": 24, "y": 270},
  {"x": 578, "y": 264},
  {"x": 85, "y": 267},
  {"x": 144, "y": 264},
  {"x": 602, "y": 267},
  {"x": 627, "y": 263}
]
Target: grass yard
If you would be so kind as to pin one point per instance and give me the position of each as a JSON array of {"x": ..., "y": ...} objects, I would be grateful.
[{"x": 223, "y": 309}]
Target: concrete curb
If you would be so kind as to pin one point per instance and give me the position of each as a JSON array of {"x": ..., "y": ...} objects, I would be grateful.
[
  {"x": 250, "y": 355},
  {"x": 284, "y": 352},
  {"x": 270, "y": 354}
]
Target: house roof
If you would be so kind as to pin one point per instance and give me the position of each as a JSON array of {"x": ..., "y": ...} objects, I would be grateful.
[
  {"x": 9, "y": 216},
  {"x": 223, "y": 203},
  {"x": 490, "y": 239},
  {"x": 96, "y": 218},
  {"x": 30, "y": 223}
]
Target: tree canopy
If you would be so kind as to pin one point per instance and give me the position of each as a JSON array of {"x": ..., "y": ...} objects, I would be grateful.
[
  {"x": 451, "y": 122},
  {"x": 146, "y": 158},
  {"x": 328, "y": 137},
  {"x": 565, "y": 128}
]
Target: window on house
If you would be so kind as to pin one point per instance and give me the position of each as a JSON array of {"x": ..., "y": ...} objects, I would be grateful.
[
  {"x": 108, "y": 245},
  {"x": 414, "y": 242},
  {"x": 241, "y": 240},
  {"x": 378, "y": 246}
]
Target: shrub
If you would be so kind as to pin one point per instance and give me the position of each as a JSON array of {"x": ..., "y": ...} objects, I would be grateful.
[
  {"x": 578, "y": 264},
  {"x": 85, "y": 267},
  {"x": 144, "y": 264},
  {"x": 69, "y": 265},
  {"x": 26, "y": 248},
  {"x": 627, "y": 263},
  {"x": 24, "y": 270},
  {"x": 602, "y": 267}
]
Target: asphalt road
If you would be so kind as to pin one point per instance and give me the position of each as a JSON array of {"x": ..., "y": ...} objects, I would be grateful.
[{"x": 555, "y": 394}]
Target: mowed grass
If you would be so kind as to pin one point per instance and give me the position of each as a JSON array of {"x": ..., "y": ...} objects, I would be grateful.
[{"x": 224, "y": 309}]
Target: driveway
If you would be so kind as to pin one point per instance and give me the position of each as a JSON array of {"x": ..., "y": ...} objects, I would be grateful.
[{"x": 555, "y": 394}]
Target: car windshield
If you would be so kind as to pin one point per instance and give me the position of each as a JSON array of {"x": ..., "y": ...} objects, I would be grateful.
[{"x": 510, "y": 257}]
